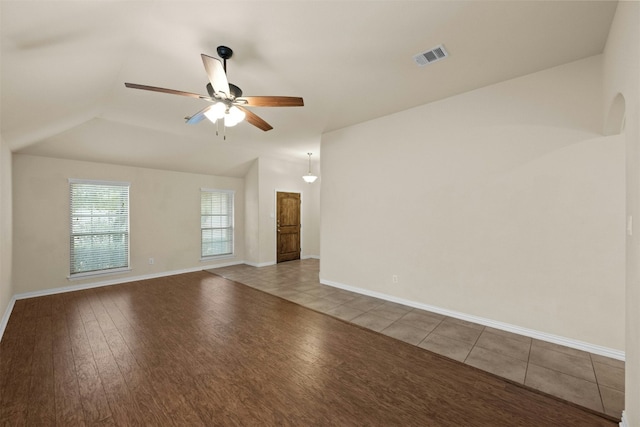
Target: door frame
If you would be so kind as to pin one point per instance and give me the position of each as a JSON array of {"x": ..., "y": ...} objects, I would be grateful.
[{"x": 274, "y": 219}]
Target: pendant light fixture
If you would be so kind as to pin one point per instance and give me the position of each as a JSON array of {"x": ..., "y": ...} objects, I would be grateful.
[{"x": 309, "y": 178}]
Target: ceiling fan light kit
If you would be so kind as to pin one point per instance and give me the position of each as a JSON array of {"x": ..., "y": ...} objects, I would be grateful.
[
  {"x": 228, "y": 102},
  {"x": 215, "y": 112}
]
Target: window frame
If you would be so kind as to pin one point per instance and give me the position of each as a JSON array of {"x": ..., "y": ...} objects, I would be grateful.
[
  {"x": 106, "y": 271},
  {"x": 231, "y": 215}
]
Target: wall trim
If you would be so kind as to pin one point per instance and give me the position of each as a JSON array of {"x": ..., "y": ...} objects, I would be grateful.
[
  {"x": 220, "y": 265},
  {"x": 543, "y": 336},
  {"x": 567, "y": 342},
  {"x": 259, "y": 264},
  {"x": 624, "y": 422},
  {"x": 268, "y": 263},
  {"x": 7, "y": 313},
  {"x": 5, "y": 317},
  {"x": 119, "y": 281}
]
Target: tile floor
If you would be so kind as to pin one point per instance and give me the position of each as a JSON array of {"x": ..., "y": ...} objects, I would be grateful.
[{"x": 589, "y": 380}]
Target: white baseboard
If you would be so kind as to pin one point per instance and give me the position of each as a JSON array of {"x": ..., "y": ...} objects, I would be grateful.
[
  {"x": 543, "y": 336},
  {"x": 53, "y": 291},
  {"x": 261, "y": 264},
  {"x": 118, "y": 281},
  {"x": 268, "y": 263},
  {"x": 624, "y": 422},
  {"x": 5, "y": 317},
  {"x": 225, "y": 264},
  {"x": 567, "y": 342}
]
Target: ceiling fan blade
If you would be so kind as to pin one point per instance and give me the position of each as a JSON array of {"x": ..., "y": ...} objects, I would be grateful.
[
  {"x": 197, "y": 117},
  {"x": 216, "y": 75},
  {"x": 255, "y": 120},
  {"x": 271, "y": 101},
  {"x": 169, "y": 91}
]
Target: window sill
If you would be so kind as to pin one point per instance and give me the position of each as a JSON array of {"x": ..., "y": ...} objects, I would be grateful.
[{"x": 90, "y": 274}]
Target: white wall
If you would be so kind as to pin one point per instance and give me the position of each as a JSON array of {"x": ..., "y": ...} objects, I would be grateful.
[
  {"x": 164, "y": 219},
  {"x": 621, "y": 77},
  {"x": 252, "y": 213},
  {"x": 278, "y": 175},
  {"x": 6, "y": 287},
  {"x": 311, "y": 210},
  {"x": 504, "y": 203}
]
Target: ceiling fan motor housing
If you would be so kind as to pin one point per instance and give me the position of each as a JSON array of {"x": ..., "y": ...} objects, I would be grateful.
[{"x": 236, "y": 92}]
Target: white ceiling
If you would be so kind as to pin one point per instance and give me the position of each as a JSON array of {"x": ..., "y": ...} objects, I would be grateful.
[{"x": 64, "y": 64}]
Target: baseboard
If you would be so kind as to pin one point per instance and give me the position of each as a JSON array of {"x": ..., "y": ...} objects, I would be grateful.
[
  {"x": 543, "y": 336},
  {"x": 624, "y": 422},
  {"x": 224, "y": 264},
  {"x": 268, "y": 263},
  {"x": 567, "y": 342},
  {"x": 261, "y": 264},
  {"x": 5, "y": 317},
  {"x": 118, "y": 281}
]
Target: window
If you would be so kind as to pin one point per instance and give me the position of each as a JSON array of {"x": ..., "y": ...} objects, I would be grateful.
[
  {"x": 216, "y": 222},
  {"x": 99, "y": 227}
]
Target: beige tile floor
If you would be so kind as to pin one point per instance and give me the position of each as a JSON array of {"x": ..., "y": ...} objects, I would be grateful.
[{"x": 589, "y": 380}]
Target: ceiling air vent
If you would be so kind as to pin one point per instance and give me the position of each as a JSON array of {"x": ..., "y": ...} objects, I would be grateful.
[{"x": 431, "y": 56}]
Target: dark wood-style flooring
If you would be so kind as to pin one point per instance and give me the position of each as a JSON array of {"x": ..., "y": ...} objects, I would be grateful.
[
  {"x": 197, "y": 349},
  {"x": 588, "y": 380}
]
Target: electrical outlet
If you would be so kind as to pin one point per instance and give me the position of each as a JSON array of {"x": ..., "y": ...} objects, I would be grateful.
[
  {"x": 151, "y": 261},
  {"x": 394, "y": 278}
]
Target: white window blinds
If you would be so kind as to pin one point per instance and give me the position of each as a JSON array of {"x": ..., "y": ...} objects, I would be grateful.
[
  {"x": 216, "y": 222},
  {"x": 99, "y": 226}
]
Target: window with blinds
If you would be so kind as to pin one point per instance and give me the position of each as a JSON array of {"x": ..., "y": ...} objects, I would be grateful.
[
  {"x": 99, "y": 227},
  {"x": 216, "y": 222}
]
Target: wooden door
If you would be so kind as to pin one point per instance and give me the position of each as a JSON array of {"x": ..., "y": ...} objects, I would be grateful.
[{"x": 288, "y": 226}]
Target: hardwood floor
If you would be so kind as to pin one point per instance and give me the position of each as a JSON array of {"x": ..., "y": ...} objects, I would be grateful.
[
  {"x": 197, "y": 349},
  {"x": 588, "y": 380}
]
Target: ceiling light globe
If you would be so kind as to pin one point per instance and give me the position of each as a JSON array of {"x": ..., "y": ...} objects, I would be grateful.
[
  {"x": 218, "y": 109},
  {"x": 237, "y": 114},
  {"x": 215, "y": 112},
  {"x": 309, "y": 178},
  {"x": 229, "y": 120},
  {"x": 209, "y": 114}
]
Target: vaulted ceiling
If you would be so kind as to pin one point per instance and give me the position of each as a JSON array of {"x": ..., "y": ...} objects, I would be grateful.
[{"x": 64, "y": 64}]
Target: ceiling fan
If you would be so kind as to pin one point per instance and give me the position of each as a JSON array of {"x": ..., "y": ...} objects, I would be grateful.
[{"x": 228, "y": 104}]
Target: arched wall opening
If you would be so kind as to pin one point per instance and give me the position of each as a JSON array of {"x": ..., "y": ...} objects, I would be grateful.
[{"x": 614, "y": 124}]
